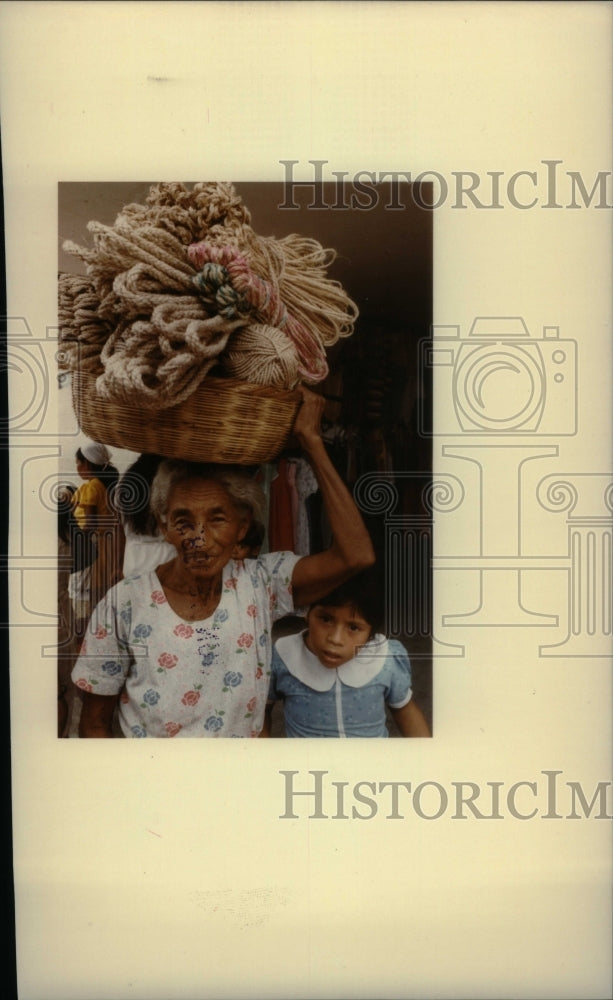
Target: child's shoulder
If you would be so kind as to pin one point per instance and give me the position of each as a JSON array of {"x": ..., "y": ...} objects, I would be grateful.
[
  {"x": 289, "y": 642},
  {"x": 395, "y": 646},
  {"x": 287, "y": 651},
  {"x": 396, "y": 650},
  {"x": 379, "y": 641}
]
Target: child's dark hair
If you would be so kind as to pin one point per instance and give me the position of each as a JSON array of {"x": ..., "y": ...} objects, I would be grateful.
[
  {"x": 133, "y": 495},
  {"x": 363, "y": 593}
]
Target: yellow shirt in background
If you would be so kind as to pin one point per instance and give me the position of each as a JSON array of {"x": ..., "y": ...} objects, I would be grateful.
[{"x": 91, "y": 493}]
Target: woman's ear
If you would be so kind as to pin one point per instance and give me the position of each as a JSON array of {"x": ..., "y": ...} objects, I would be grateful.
[
  {"x": 244, "y": 525},
  {"x": 241, "y": 551}
]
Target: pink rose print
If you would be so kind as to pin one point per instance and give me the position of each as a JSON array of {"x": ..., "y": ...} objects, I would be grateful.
[
  {"x": 259, "y": 673},
  {"x": 183, "y": 631},
  {"x": 172, "y": 728},
  {"x": 245, "y": 640},
  {"x": 167, "y": 660},
  {"x": 191, "y": 698},
  {"x": 124, "y": 698},
  {"x": 83, "y": 684},
  {"x": 100, "y": 632},
  {"x": 231, "y": 582},
  {"x": 158, "y": 597},
  {"x": 251, "y": 704},
  {"x": 252, "y": 610}
]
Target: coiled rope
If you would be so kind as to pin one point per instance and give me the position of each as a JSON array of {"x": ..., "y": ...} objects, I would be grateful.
[{"x": 169, "y": 287}]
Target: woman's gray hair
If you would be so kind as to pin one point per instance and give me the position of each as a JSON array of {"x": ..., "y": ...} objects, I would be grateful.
[{"x": 246, "y": 495}]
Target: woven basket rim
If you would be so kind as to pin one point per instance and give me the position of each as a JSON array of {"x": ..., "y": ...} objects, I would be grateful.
[
  {"x": 224, "y": 420},
  {"x": 209, "y": 383}
]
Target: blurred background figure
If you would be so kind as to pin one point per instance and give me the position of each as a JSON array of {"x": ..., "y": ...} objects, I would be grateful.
[
  {"x": 99, "y": 540},
  {"x": 145, "y": 547},
  {"x": 67, "y": 645}
]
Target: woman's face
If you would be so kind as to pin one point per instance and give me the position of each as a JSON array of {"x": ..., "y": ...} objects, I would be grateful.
[{"x": 203, "y": 525}]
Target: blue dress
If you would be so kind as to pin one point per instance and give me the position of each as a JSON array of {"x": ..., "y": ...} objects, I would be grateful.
[{"x": 346, "y": 701}]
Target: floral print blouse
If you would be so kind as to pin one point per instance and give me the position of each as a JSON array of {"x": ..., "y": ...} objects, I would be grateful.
[{"x": 179, "y": 678}]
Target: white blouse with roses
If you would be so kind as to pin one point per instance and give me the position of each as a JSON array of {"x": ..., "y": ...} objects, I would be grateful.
[{"x": 202, "y": 678}]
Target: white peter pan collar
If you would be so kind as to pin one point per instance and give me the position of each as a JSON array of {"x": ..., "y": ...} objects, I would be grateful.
[{"x": 305, "y": 667}]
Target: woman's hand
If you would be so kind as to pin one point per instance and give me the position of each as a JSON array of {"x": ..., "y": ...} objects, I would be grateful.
[{"x": 308, "y": 418}]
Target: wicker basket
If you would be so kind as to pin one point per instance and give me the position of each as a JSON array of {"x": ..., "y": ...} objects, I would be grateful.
[{"x": 225, "y": 421}]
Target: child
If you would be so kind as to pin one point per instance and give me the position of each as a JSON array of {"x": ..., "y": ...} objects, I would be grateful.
[{"x": 336, "y": 677}]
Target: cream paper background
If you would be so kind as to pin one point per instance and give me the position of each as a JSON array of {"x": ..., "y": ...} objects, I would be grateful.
[{"x": 164, "y": 871}]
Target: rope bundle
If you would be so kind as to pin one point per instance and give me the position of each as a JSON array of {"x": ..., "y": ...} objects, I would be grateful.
[
  {"x": 226, "y": 275},
  {"x": 183, "y": 283},
  {"x": 262, "y": 355}
]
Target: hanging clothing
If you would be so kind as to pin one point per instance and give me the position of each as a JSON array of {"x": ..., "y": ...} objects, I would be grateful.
[
  {"x": 306, "y": 484},
  {"x": 280, "y": 522}
]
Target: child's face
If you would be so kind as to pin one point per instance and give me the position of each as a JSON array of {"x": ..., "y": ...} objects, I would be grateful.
[{"x": 335, "y": 634}]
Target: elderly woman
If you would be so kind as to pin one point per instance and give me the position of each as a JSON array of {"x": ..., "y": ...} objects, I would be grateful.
[{"x": 187, "y": 648}]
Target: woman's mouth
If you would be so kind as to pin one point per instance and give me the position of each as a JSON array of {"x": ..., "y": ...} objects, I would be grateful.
[{"x": 198, "y": 558}]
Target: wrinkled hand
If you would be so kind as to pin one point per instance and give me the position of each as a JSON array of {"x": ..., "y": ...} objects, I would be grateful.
[{"x": 308, "y": 418}]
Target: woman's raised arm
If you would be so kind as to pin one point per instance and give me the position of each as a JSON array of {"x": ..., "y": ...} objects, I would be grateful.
[{"x": 351, "y": 550}]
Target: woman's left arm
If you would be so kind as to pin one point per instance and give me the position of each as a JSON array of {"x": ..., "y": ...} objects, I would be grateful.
[{"x": 351, "y": 549}]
